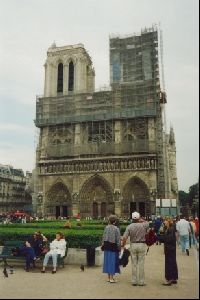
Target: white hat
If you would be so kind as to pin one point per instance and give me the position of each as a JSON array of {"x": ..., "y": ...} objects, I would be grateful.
[{"x": 135, "y": 215}]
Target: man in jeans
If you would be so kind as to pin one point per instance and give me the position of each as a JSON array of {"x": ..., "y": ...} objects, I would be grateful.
[
  {"x": 183, "y": 229},
  {"x": 137, "y": 231}
]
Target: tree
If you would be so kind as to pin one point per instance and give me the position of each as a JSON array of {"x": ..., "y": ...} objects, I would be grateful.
[
  {"x": 183, "y": 198},
  {"x": 193, "y": 192}
]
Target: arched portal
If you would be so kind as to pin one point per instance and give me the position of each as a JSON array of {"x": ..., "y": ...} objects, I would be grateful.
[
  {"x": 135, "y": 197},
  {"x": 96, "y": 198},
  {"x": 58, "y": 203}
]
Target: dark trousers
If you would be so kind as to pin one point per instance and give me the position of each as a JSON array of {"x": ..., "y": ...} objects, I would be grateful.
[
  {"x": 171, "y": 269},
  {"x": 38, "y": 250},
  {"x": 29, "y": 254}
]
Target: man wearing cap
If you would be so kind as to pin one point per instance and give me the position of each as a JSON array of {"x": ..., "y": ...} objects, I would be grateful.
[{"x": 137, "y": 231}]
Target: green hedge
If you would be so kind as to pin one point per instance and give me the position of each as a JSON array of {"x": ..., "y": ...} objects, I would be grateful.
[
  {"x": 49, "y": 226},
  {"x": 90, "y": 233},
  {"x": 75, "y": 238},
  {"x": 59, "y": 226}
]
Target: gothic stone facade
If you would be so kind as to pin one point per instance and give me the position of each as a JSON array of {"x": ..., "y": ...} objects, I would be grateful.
[{"x": 102, "y": 152}]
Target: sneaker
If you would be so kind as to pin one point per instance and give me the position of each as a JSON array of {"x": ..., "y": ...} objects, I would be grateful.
[
  {"x": 167, "y": 283},
  {"x": 113, "y": 281},
  {"x": 134, "y": 284}
]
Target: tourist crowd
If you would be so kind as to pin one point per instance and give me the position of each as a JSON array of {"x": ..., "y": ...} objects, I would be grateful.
[{"x": 169, "y": 231}]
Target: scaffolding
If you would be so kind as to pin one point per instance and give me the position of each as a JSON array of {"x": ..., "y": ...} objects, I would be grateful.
[
  {"x": 133, "y": 97},
  {"x": 134, "y": 58},
  {"x": 118, "y": 104}
]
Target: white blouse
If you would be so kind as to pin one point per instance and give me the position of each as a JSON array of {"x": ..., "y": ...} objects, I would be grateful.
[{"x": 58, "y": 247}]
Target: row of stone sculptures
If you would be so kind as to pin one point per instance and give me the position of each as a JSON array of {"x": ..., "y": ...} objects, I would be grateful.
[{"x": 134, "y": 164}]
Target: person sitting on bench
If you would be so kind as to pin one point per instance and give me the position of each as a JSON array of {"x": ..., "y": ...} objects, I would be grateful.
[
  {"x": 29, "y": 254},
  {"x": 57, "y": 247}
]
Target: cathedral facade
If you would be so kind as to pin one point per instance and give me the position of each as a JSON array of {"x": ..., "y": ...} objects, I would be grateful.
[{"x": 103, "y": 152}]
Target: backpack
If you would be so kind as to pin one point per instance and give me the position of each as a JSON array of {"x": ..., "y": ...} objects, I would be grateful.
[{"x": 150, "y": 237}]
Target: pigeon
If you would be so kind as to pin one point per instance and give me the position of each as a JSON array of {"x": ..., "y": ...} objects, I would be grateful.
[
  {"x": 5, "y": 272},
  {"x": 82, "y": 267}
]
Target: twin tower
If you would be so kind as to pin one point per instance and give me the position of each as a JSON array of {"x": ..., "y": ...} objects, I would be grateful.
[
  {"x": 104, "y": 152},
  {"x": 68, "y": 70}
]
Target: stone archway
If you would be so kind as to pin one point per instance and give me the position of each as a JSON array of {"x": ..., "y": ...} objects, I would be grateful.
[
  {"x": 96, "y": 198},
  {"x": 136, "y": 197},
  {"x": 58, "y": 203}
]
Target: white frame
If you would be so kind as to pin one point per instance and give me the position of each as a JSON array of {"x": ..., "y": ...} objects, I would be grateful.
[
  {"x": 166, "y": 203},
  {"x": 173, "y": 203}
]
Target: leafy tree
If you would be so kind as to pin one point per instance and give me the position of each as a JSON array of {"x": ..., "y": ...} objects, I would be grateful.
[
  {"x": 183, "y": 198},
  {"x": 193, "y": 191}
]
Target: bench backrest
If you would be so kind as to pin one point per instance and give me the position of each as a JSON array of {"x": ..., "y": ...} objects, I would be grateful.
[{"x": 9, "y": 245}]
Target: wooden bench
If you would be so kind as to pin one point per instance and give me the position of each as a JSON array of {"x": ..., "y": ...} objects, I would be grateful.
[{"x": 8, "y": 255}]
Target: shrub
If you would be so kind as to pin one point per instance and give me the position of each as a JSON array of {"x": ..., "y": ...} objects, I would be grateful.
[
  {"x": 88, "y": 234},
  {"x": 75, "y": 238}
]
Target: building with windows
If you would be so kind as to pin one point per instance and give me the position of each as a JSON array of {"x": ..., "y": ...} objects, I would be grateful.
[
  {"x": 13, "y": 193},
  {"x": 106, "y": 151}
]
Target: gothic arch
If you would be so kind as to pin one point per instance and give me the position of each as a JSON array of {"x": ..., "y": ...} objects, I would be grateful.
[
  {"x": 58, "y": 196},
  {"x": 59, "y": 60},
  {"x": 136, "y": 196},
  {"x": 71, "y": 76},
  {"x": 60, "y": 77},
  {"x": 71, "y": 58},
  {"x": 58, "y": 193},
  {"x": 96, "y": 191}
]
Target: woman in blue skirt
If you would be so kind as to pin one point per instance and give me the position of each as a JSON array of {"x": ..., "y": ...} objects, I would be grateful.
[{"x": 111, "y": 246}]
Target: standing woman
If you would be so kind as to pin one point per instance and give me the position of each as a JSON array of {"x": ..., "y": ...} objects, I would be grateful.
[
  {"x": 171, "y": 270},
  {"x": 111, "y": 245}
]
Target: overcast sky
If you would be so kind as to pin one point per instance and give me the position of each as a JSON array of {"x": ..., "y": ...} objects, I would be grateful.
[{"x": 29, "y": 27}]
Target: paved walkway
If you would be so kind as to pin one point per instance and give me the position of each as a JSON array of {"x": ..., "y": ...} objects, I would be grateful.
[{"x": 72, "y": 283}]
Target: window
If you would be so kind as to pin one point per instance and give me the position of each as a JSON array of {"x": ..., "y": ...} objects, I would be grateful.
[
  {"x": 71, "y": 77},
  {"x": 99, "y": 132},
  {"x": 60, "y": 78}
]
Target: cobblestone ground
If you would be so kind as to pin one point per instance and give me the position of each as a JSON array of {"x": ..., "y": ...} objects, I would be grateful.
[{"x": 72, "y": 283}]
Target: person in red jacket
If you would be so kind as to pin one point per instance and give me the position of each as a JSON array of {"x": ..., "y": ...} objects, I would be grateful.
[{"x": 196, "y": 221}]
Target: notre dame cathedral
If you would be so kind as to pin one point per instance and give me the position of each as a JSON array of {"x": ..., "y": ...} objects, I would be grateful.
[{"x": 104, "y": 152}]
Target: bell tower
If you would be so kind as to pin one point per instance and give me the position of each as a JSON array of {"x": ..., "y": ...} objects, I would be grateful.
[{"x": 68, "y": 70}]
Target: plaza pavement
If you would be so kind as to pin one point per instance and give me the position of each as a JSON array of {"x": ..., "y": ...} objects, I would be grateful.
[{"x": 72, "y": 283}]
